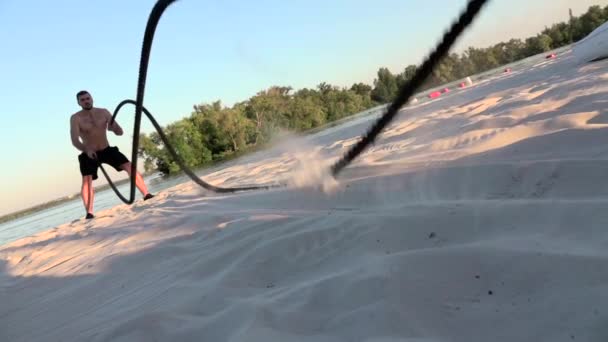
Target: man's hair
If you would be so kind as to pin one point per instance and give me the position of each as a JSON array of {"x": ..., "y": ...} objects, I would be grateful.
[{"x": 80, "y": 93}]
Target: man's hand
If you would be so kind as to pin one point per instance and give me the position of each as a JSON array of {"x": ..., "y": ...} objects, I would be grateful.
[
  {"x": 91, "y": 154},
  {"x": 114, "y": 126}
]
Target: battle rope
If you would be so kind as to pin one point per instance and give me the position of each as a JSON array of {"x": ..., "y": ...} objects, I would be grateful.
[
  {"x": 177, "y": 158},
  {"x": 406, "y": 91}
]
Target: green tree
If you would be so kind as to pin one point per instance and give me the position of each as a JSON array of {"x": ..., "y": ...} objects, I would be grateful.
[
  {"x": 362, "y": 89},
  {"x": 385, "y": 86},
  {"x": 591, "y": 20},
  {"x": 234, "y": 126},
  {"x": 538, "y": 44},
  {"x": 306, "y": 113},
  {"x": 269, "y": 111}
]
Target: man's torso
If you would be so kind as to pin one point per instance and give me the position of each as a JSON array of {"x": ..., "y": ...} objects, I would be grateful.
[{"x": 93, "y": 125}]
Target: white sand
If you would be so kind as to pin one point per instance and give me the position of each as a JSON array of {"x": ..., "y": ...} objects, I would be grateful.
[{"x": 502, "y": 187}]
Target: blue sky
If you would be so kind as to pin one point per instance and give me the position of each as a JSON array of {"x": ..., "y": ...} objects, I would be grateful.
[{"x": 203, "y": 51}]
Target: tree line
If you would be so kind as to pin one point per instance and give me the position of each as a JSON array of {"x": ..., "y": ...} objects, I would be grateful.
[{"x": 214, "y": 132}]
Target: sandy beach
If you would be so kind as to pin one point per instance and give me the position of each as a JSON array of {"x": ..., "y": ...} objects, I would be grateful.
[{"x": 478, "y": 216}]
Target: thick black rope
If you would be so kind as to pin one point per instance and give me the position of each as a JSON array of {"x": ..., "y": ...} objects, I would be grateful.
[
  {"x": 179, "y": 161},
  {"x": 406, "y": 91},
  {"x": 153, "y": 20}
]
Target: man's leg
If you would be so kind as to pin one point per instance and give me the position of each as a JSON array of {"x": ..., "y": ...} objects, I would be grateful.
[
  {"x": 139, "y": 180},
  {"x": 88, "y": 170},
  {"x": 88, "y": 194}
]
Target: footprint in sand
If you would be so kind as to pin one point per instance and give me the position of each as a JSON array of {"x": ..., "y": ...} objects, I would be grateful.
[
  {"x": 545, "y": 184},
  {"x": 321, "y": 243}
]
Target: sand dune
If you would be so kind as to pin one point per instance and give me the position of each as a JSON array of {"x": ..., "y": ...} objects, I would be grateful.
[{"x": 480, "y": 216}]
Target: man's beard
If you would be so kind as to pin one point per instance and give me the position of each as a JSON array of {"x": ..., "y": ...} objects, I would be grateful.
[{"x": 88, "y": 107}]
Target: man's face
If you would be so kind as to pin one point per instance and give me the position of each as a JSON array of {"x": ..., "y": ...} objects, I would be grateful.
[{"x": 85, "y": 101}]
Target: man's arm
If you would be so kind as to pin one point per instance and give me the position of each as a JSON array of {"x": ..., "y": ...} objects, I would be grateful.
[
  {"x": 114, "y": 127},
  {"x": 75, "y": 134}
]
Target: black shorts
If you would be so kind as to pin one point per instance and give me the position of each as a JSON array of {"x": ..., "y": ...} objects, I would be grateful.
[{"x": 109, "y": 155}]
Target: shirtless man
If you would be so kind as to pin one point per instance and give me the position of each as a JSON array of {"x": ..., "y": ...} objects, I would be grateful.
[{"x": 90, "y": 124}]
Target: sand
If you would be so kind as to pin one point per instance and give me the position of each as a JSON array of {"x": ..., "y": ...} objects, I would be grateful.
[{"x": 479, "y": 216}]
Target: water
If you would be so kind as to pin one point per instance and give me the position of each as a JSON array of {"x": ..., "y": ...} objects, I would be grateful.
[
  {"x": 105, "y": 199},
  {"x": 74, "y": 209}
]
